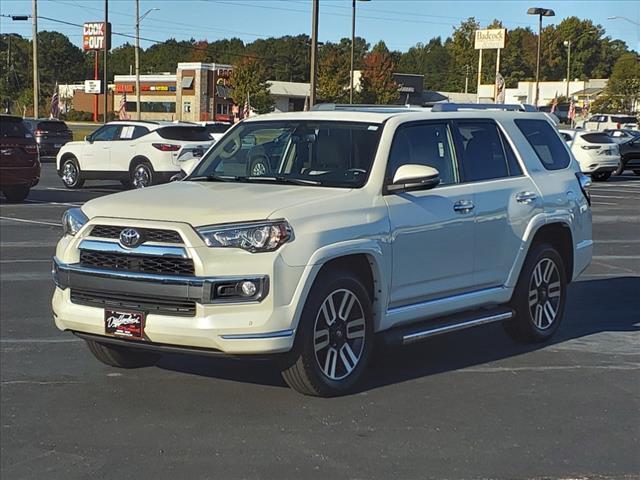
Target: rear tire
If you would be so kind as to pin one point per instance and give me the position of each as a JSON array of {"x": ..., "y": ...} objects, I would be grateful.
[
  {"x": 122, "y": 357},
  {"x": 71, "y": 175},
  {"x": 539, "y": 297},
  {"x": 334, "y": 338},
  {"x": 16, "y": 193},
  {"x": 618, "y": 171},
  {"x": 142, "y": 174},
  {"x": 600, "y": 176}
]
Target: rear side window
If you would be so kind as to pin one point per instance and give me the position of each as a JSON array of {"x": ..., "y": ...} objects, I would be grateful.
[
  {"x": 184, "y": 133},
  {"x": 139, "y": 132},
  {"x": 483, "y": 151},
  {"x": 52, "y": 126},
  {"x": 620, "y": 119},
  {"x": 597, "y": 138},
  {"x": 12, "y": 128},
  {"x": 546, "y": 143}
]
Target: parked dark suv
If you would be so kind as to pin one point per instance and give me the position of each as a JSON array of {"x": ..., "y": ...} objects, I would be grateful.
[
  {"x": 629, "y": 144},
  {"x": 19, "y": 162},
  {"x": 50, "y": 134}
]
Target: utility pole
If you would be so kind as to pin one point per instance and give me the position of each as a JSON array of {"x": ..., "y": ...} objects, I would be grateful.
[
  {"x": 8, "y": 105},
  {"x": 466, "y": 78},
  {"x": 104, "y": 66},
  {"x": 353, "y": 41},
  {"x": 36, "y": 83},
  {"x": 314, "y": 53},
  {"x": 568, "y": 45},
  {"x": 138, "y": 59}
]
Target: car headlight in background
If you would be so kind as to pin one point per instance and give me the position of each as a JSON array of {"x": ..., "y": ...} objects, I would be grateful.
[
  {"x": 253, "y": 237},
  {"x": 73, "y": 220}
]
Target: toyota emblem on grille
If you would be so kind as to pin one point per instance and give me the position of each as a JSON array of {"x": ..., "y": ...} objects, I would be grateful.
[{"x": 130, "y": 238}]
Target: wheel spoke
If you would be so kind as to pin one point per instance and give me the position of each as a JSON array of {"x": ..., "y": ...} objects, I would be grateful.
[
  {"x": 554, "y": 289},
  {"x": 549, "y": 312},
  {"x": 533, "y": 297},
  {"x": 355, "y": 328},
  {"x": 349, "y": 359},
  {"x": 347, "y": 304},
  {"x": 330, "y": 363},
  {"x": 321, "y": 339},
  {"x": 329, "y": 310},
  {"x": 548, "y": 270},
  {"x": 537, "y": 274},
  {"x": 537, "y": 319}
]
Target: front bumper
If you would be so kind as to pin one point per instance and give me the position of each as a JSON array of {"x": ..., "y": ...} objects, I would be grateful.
[
  {"x": 604, "y": 163},
  {"x": 251, "y": 327}
]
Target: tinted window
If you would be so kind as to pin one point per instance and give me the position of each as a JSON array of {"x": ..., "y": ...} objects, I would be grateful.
[
  {"x": 52, "y": 126},
  {"x": 624, "y": 119},
  {"x": 217, "y": 127},
  {"x": 566, "y": 137},
  {"x": 423, "y": 144},
  {"x": 483, "y": 155},
  {"x": 106, "y": 133},
  {"x": 512, "y": 161},
  {"x": 12, "y": 127},
  {"x": 139, "y": 132},
  {"x": 184, "y": 133},
  {"x": 546, "y": 142},
  {"x": 597, "y": 138}
]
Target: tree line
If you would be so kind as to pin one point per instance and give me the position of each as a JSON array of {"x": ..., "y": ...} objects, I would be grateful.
[{"x": 447, "y": 64}]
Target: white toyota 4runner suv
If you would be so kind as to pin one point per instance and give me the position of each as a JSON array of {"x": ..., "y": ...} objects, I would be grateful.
[{"x": 391, "y": 224}]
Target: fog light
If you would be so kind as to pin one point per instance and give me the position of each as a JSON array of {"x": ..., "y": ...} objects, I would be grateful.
[{"x": 249, "y": 289}]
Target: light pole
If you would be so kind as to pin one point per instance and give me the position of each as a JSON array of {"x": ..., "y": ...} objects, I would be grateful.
[
  {"x": 353, "y": 41},
  {"x": 616, "y": 17},
  {"x": 541, "y": 12},
  {"x": 314, "y": 53},
  {"x": 138, "y": 20},
  {"x": 36, "y": 83},
  {"x": 567, "y": 43}
]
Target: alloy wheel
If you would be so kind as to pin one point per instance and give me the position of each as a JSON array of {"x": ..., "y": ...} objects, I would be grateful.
[
  {"x": 545, "y": 290},
  {"x": 339, "y": 334},
  {"x": 69, "y": 173},
  {"x": 258, "y": 169},
  {"x": 141, "y": 177}
]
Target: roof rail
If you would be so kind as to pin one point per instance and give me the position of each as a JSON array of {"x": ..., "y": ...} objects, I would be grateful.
[
  {"x": 456, "y": 107},
  {"x": 324, "y": 107}
]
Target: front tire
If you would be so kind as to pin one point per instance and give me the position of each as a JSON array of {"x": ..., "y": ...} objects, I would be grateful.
[
  {"x": 16, "y": 193},
  {"x": 122, "y": 357},
  {"x": 142, "y": 175},
  {"x": 600, "y": 176},
  {"x": 71, "y": 175},
  {"x": 539, "y": 297},
  {"x": 334, "y": 339}
]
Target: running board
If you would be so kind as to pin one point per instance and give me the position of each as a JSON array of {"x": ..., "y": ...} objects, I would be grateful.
[{"x": 406, "y": 335}]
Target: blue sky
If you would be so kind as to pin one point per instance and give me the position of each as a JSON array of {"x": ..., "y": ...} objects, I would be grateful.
[{"x": 400, "y": 23}]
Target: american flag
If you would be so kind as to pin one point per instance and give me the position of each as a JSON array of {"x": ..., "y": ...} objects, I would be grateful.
[
  {"x": 554, "y": 105},
  {"x": 54, "y": 111},
  {"x": 122, "y": 111}
]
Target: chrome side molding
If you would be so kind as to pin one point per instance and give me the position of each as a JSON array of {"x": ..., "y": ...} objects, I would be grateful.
[{"x": 431, "y": 331}]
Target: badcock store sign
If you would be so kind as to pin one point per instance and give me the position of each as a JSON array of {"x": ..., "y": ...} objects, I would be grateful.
[{"x": 96, "y": 36}]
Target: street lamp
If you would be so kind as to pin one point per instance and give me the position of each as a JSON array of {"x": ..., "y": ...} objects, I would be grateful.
[
  {"x": 541, "y": 12},
  {"x": 567, "y": 43},
  {"x": 138, "y": 20},
  {"x": 353, "y": 41},
  {"x": 616, "y": 17}
]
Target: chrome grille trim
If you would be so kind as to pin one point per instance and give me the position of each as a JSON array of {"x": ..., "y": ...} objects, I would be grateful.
[
  {"x": 158, "y": 235},
  {"x": 151, "y": 250}
]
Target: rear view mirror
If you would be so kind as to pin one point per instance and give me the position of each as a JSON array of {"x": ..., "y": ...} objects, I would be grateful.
[
  {"x": 414, "y": 177},
  {"x": 88, "y": 138}
]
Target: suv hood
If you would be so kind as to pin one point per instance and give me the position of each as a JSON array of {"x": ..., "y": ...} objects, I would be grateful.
[{"x": 207, "y": 203}]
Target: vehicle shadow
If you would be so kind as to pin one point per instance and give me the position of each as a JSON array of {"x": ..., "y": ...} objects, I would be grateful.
[
  {"x": 41, "y": 196},
  {"x": 586, "y": 314}
]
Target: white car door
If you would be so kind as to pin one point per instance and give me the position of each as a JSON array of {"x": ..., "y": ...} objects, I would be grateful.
[
  {"x": 96, "y": 156},
  {"x": 505, "y": 199},
  {"x": 431, "y": 230},
  {"x": 123, "y": 149}
]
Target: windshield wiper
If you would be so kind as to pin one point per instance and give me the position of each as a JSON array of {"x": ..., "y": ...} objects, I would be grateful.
[
  {"x": 281, "y": 179},
  {"x": 217, "y": 178}
]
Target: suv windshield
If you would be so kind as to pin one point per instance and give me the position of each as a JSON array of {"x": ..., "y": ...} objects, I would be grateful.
[{"x": 323, "y": 153}]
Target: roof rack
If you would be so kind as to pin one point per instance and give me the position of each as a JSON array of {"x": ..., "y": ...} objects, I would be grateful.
[
  {"x": 456, "y": 107},
  {"x": 325, "y": 107}
]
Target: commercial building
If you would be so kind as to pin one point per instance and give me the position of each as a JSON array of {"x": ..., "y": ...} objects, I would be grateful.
[{"x": 579, "y": 90}]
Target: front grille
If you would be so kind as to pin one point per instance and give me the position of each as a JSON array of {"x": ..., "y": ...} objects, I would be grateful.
[
  {"x": 148, "y": 234},
  {"x": 159, "y": 306},
  {"x": 136, "y": 263}
]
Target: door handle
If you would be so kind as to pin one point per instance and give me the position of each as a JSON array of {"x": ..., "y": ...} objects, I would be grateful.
[
  {"x": 463, "y": 206},
  {"x": 526, "y": 197}
]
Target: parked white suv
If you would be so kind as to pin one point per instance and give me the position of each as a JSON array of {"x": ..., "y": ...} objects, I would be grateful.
[
  {"x": 397, "y": 224},
  {"x": 605, "y": 121},
  {"x": 597, "y": 153},
  {"x": 139, "y": 154}
]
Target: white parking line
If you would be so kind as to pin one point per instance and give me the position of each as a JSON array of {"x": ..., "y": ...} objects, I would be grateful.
[
  {"x": 607, "y": 196},
  {"x": 65, "y": 204},
  {"x": 37, "y": 222},
  {"x": 48, "y": 260},
  {"x": 39, "y": 340}
]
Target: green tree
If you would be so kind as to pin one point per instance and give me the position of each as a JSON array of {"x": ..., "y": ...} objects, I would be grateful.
[
  {"x": 249, "y": 80},
  {"x": 462, "y": 53},
  {"x": 623, "y": 89},
  {"x": 15, "y": 71},
  {"x": 377, "y": 84}
]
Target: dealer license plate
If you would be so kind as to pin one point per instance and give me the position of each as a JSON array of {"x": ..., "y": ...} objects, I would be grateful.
[{"x": 127, "y": 324}]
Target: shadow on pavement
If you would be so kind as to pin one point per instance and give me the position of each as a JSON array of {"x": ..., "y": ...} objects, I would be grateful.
[{"x": 593, "y": 306}]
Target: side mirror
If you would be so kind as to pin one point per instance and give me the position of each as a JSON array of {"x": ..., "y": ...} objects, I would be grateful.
[
  {"x": 414, "y": 177},
  {"x": 88, "y": 138},
  {"x": 178, "y": 176}
]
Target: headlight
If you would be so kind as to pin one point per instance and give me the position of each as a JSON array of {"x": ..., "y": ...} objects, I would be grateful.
[
  {"x": 73, "y": 220},
  {"x": 254, "y": 237}
]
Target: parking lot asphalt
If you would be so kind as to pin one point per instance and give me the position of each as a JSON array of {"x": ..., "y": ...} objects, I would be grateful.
[{"x": 469, "y": 405}]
